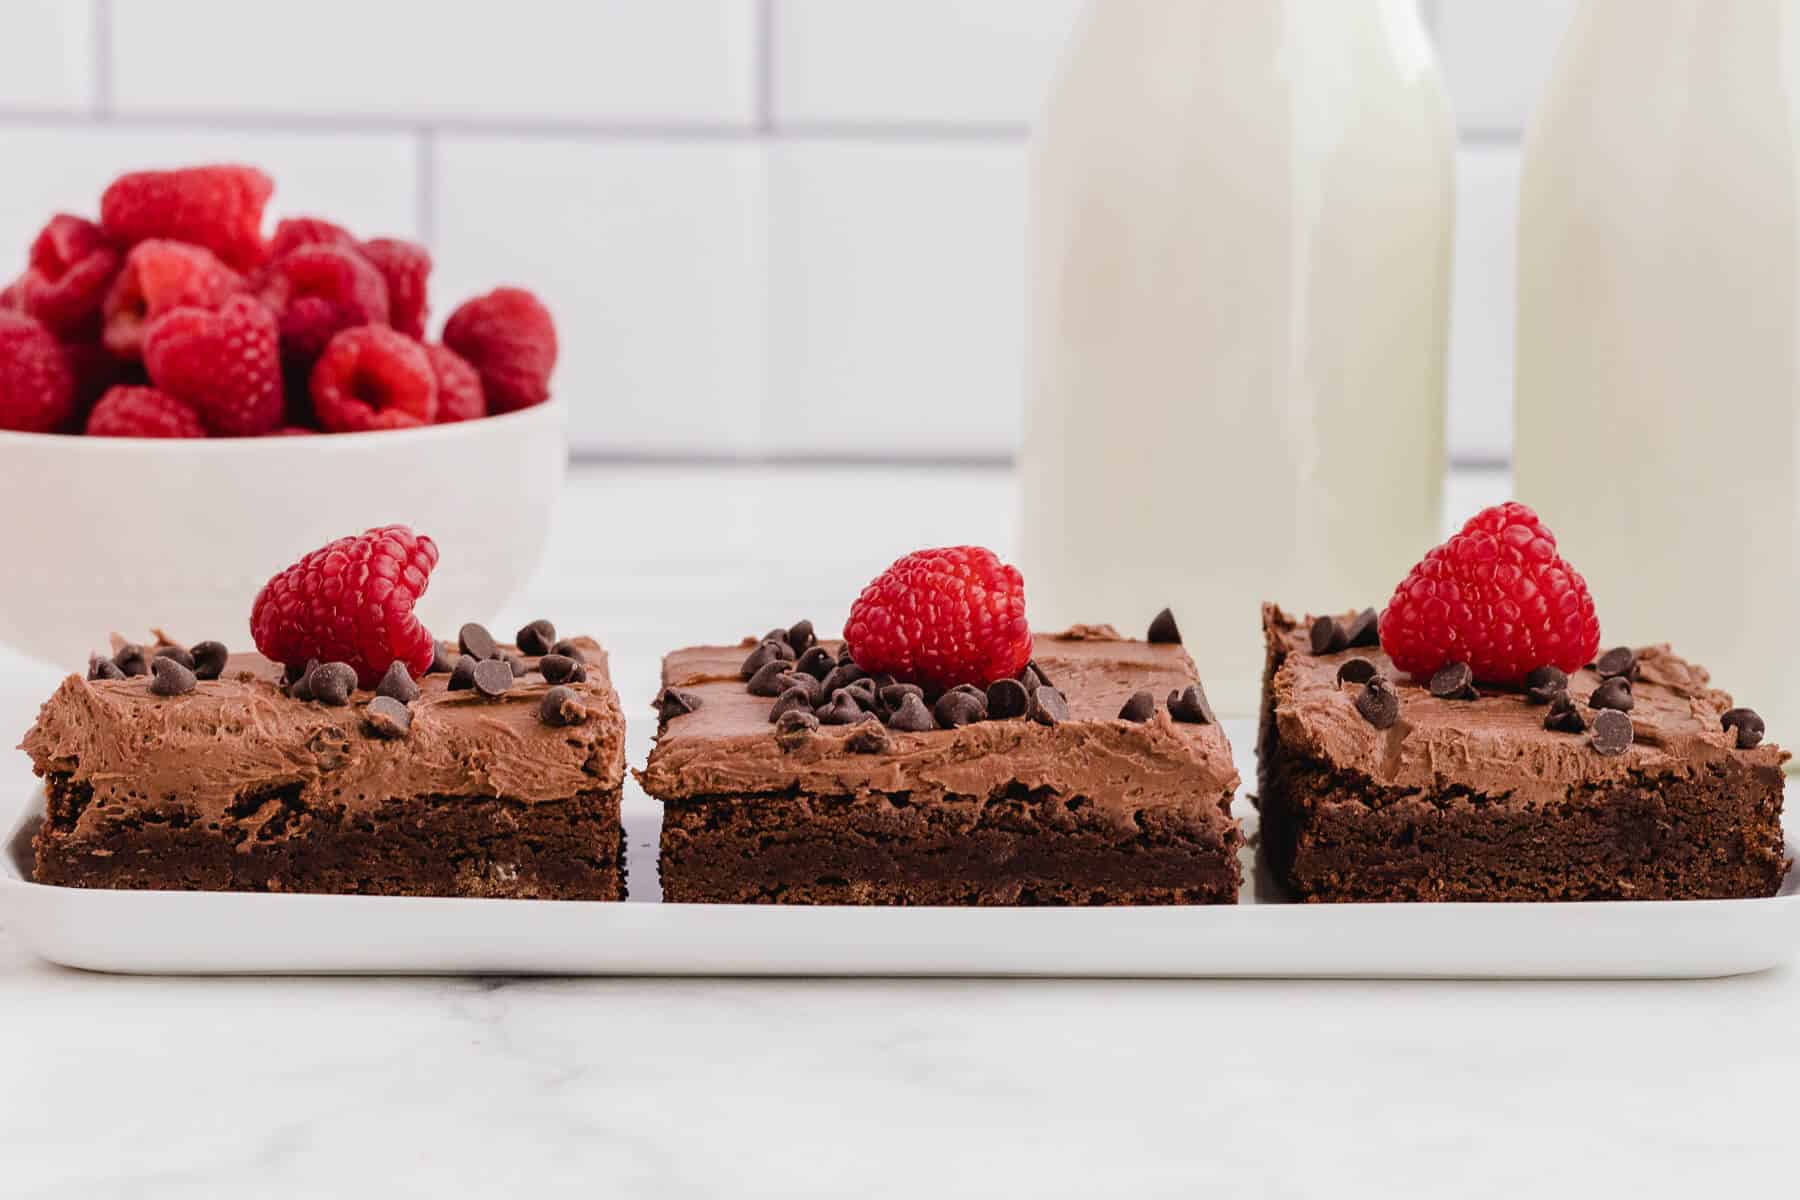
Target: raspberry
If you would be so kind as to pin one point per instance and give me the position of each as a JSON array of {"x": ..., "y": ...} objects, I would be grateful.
[
  {"x": 317, "y": 291},
  {"x": 37, "y": 394},
  {"x": 143, "y": 412},
  {"x": 351, "y": 601},
  {"x": 459, "y": 387},
  {"x": 220, "y": 208},
  {"x": 510, "y": 340},
  {"x": 72, "y": 264},
  {"x": 11, "y": 299},
  {"x": 373, "y": 378},
  {"x": 1496, "y": 596},
  {"x": 226, "y": 364},
  {"x": 938, "y": 618},
  {"x": 406, "y": 268},
  {"x": 160, "y": 275},
  {"x": 97, "y": 371},
  {"x": 295, "y": 232}
]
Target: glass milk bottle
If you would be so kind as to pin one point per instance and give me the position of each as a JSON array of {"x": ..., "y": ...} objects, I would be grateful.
[
  {"x": 1241, "y": 220},
  {"x": 1658, "y": 383}
]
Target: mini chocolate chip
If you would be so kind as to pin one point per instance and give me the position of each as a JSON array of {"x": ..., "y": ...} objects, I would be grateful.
[
  {"x": 795, "y": 723},
  {"x": 170, "y": 677},
  {"x": 845, "y": 658},
  {"x": 806, "y": 683},
  {"x": 1327, "y": 636},
  {"x": 767, "y": 651},
  {"x": 800, "y": 637},
  {"x": 1749, "y": 727},
  {"x": 560, "y": 668},
  {"x": 462, "y": 676},
  {"x": 765, "y": 681},
  {"x": 864, "y": 690},
  {"x": 1453, "y": 681},
  {"x": 1189, "y": 704},
  {"x": 840, "y": 677},
  {"x": 398, "y": 684},
  {"x": 1620, "y": 660},
  {"x": 292, "y": 673},
  {"x": 1163, "y": 631},
  {"x": 179, "y": 653},
  {"x": 387, "y": 717},
  {"x": 817, "y": 662},
  {"x": 561, "y": 706},
  {"x": 1007, "y": 700},
  {"x": 794, "y": 699},
  {"x": 1544, "y": 684},
  {"x": 209, "y": 659},
  {"x": 493, "y": 677},
  {"x": 1047, "y": 706},
  {"x": 842, "y": 709},
  {"x": 895, "y": 694},
  {"x": 1612, "y": 732},
  {"x": 536, "y": 639},
  {"x": 520, "y": 668},
  {"x": 132, "y": 660},
  {"x": 441, "y": 662},
  {"x": 331, "y": 683},
  {"x": 882, "y": 679},
  {"x": 912, "y": 716},
  {"x": 1614, "y": 692},
  {"x": 1356, "y": 670},
  {"x": 870, "y": 739},
  {"x": 1378, "y": 703},
  {"x": 474, "y": 640},
  {"x": 956, "y": 708},
  {"x": 676, "y": 702},
  {"x": 1140, "y": 708},
  {"x": 567, "y": 648},
  {"x": 103, "y": 668},
  {"x": 1564, "y": 715},
  {"x": 1363, "y": 629},
  {"x": 1033, "y": 676},
  {"x": 300, "y": 686}
]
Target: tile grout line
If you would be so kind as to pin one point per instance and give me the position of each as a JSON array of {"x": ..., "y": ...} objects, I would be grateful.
[{"x": 101, "y": 14}]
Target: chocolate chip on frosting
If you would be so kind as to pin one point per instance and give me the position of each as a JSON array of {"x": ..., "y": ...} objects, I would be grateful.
[
  {"x": 179, "y": 653},
  {"x": 462, "y": 676},
  {"x": 795, "y": 699},
  {"x": 103, "y": 668},
  {"x": 1140, "y": 708},
  {"x": 676, "y": 702},
  {"x": 474, "y": 640},
  {"x": 567, "y": 648},
  {"x": 1163, "y": 631},
  {"x": 842, "y": 709},
  {"x": 210, "y": 659},
  {"x": 132, "y": 660},
  {"x": 1190, "y": 705},
  {"x": 1564, "y": 715},
  {"x": 912, "y": 716},
  {"x": 562, "y": 706},
  {"x": 895, "y": 694},
  {"x": 1007, "y": 700},
  {"x": 536, "y": 638},
  {"x": 795, "y": 729},
  {"x": 560, "y": 668},
  {"x": 1048, "y": 706},
  {"x": 387, "y": 717},
  {"x": 840, "y": 677},
  {"x": 441, "y": 663},
  {"x": 800, "y": 637},
  {"x": 300, "y": 681},
  {"x": 398, "y": 684},
  {"x": 1356, "y": 670},
  {"x": 520, "y": 668},
  {"x": 1748, "y": 724},
  {"x": 817, "y": 662},
  {"x": 1378, "y": 703},
  {"x": 169, "y": 677},
  {"x": 1544, "y": 684},
  {"x": 1363, "y": 629},
  {"x": 1612, "y": 732},
  {"x": 956, "y": 708},
  {"x": 767, "y": 651},
  {"x": 1327, "y": 636},
  {"x": 764, "y": 682},
  {"x": 1453, "y": 681},
  {"x": 493, "y": 677},
  {"x": 864, "y": 691},
  {"x": 806, "y": 683},
  {"x": 869, "y": 739},
  {"x": 1614, "y": 692},
  {"x": 1619, "y": 661},
  {"x": 333, "y": 682}
]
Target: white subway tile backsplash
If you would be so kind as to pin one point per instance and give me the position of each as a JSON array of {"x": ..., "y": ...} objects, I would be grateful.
[
  {"x": 650, "y": 255},
  {"x": 897, "y": 298},
  {"x": 1497, "y": 56},
  {"x": 597, "y": 60},
  {"x": 943, "y": 61},
  {"x": 47, "y": 56},
  {"x": 1482, "y": 298}
]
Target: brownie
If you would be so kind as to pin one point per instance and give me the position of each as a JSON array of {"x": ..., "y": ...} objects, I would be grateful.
[
  {"x": 1472, "y": 797},
  {"x": 1024, "y": 810},
  {"x": 236, "y": 785}
]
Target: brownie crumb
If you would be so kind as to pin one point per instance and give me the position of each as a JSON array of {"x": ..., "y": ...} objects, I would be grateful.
[{"x": 1163, "y": 631}]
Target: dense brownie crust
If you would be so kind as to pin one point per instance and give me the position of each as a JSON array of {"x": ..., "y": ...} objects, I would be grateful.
[
  {"x": 1475, "y": 800},
  {"x": 1093, "y": 810}
]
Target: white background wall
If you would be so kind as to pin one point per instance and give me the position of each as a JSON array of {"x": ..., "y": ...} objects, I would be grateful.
[{"x": 784, "y": 228}]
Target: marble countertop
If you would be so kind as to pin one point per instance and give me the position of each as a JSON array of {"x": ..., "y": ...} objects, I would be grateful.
[{"x": 137, "y": 1087}]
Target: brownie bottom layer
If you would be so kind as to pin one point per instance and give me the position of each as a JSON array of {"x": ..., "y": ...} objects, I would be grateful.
[
  {"x": 1335, "y": 836},
  {"x": 1020, "y": 849},
  {"x": 417, "y": 846}
]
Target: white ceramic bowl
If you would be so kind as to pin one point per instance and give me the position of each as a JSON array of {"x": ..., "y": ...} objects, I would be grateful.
[{"x": 123, "y": 534}]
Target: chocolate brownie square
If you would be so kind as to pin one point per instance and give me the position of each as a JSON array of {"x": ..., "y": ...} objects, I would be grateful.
[{"x": 1396, "y": 793}]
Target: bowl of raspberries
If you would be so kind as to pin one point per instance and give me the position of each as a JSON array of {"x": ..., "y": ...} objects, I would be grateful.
[{"x": 191, "y": 391}]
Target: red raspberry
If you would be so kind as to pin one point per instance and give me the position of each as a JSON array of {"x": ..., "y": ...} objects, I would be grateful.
[
  {"x": 226, "y": 364},
  {"x": 351, "y": 601},
  {"x": 220, "y": 208},
  {"x": 37, "y": 394},
  {"x": 316, "y": 291},
  {"x": 406, "y": 268},
  {"x": 459, "y": 387},
  {"x": 143, "y": 412},
  {"x": 72, "y": 265},
  {"x": 938, "y": 618},
  {"x": 373, "y": 378},
  {"x": 509, "y": 338},
  {"x": 293, "y": 431},
  {"x": 1496, "y": 596},
  {"x": 160, "y": 275},
  {"x": 292, "y": 233},
  {"x": 97, "y": 371},
  {"x": 11, "y": 299}
]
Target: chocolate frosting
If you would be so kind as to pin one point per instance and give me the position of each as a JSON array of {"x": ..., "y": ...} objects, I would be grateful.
[
  {"x": 728, "y": 746},
  {"x": 238, "y": 737},
  {"x": 1496, "y": 746}
]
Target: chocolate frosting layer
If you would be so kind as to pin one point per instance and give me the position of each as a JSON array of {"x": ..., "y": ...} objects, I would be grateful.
[
  {"x": 728, "y": 746},
  {"x": 239, "y": 737},
  {"x": 1496, "y": 746}
]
